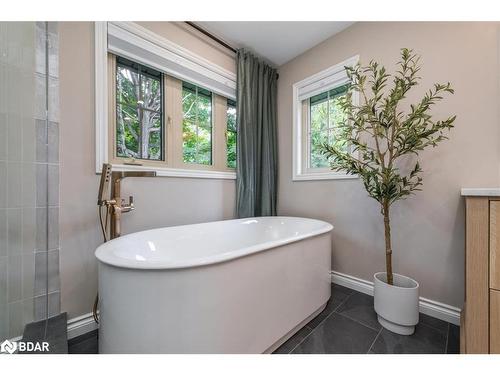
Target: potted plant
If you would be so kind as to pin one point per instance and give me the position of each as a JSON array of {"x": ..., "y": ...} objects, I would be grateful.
[{"x": 377, "y": 141}]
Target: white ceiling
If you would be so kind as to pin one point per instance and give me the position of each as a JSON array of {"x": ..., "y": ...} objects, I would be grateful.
[{"x": 276, "y": 42}]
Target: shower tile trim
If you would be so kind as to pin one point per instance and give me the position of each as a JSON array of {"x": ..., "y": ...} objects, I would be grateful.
[{"x": 47, "y": 175}]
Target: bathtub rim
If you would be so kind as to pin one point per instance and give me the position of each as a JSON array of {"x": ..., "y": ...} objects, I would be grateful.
[{"x": 103, "y": 252}]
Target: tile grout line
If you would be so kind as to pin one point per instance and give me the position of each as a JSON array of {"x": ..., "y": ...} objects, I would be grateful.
[
  {"x": 357, "y": 321},
  {"x": 326, "y": 317},
  {"x": 301, "y": 341},
  {"x": 343, "y": 302},
  {"x": 374, "y": 340},
  {"x": 338, "y": 307},
  {"x": 351, "y": 318},
  {"x": 309, "y": 334}
]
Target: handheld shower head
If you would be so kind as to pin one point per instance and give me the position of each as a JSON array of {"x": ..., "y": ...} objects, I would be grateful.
[{"x": 104, "y": 184}]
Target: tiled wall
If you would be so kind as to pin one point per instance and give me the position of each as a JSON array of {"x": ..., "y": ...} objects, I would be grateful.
[{"x": 29, "y": 175}]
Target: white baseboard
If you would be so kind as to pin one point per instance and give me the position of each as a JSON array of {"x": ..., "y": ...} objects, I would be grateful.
[
  {"x": 450, "y": 314},
  {"x": 81, "y": 325}
]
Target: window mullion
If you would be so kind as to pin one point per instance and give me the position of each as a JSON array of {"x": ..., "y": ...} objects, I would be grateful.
[
  {"x": 140, "y": 114},
  {"x": 196, "y": 120},
  {"x": 328, "y": 118},
  {"x": 309, "y": 135}
]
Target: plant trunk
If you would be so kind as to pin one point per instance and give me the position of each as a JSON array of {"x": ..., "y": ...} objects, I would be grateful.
[{"x": 388, "y": 248}]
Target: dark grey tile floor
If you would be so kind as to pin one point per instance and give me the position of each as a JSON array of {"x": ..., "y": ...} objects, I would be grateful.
[
  {"x": 348, "y": 324},
  {"x": 84, "y": 344},
  {"x": 53, "y": 331}
]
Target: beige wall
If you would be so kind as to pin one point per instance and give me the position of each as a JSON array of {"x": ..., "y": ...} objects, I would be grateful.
[
  {"x": 428, "y": 229},
  {"x": 160, "y": 202}
]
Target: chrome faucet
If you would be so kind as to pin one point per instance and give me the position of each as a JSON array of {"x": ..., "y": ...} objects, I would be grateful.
[{"x": 116, "y": 205}]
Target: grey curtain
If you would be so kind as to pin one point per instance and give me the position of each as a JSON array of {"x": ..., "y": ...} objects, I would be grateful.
[{"x": 257, "y": 149}]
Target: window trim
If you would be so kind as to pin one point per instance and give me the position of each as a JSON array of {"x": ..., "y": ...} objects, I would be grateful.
[
  {"x": 325, "y": 80},
  {"x": 103, "y": 126}
]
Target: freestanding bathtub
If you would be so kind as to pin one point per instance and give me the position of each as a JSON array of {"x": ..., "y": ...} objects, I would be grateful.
[{"x": 235, "y": 286}]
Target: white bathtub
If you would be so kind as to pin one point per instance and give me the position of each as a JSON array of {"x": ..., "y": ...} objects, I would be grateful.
[{"x": 235, "y": 286}]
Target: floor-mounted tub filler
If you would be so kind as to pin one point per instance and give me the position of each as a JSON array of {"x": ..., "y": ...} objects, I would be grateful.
[{"x": 235, "y": 286}]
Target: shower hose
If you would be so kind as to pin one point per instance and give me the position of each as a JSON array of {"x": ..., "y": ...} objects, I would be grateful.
[{"x": 104, "y": 228}]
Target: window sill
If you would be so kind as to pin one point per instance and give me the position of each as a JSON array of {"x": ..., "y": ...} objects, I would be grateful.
[
  {"x": 176, "y": 172},
  {"x": 312, "y": 176}
]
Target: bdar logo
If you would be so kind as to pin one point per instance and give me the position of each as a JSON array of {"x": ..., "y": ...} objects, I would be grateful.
[{"x": 8, "y": 347}]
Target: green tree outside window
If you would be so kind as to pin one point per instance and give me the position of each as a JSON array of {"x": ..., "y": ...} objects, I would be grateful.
[
  {"x": 325, "y": 115},
  {"x": 231, "y": 134},
  {"x": 196, "y": 124},
  {"x": 139, "y": 120}
]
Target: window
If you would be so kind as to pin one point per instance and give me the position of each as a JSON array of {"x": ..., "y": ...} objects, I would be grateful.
[
  {"x": 172, "y": 126},
  {"x": 231, "y": 134},
  {"x": 196, "y": 124},
  {"x": 140, "y": 81},
  {"x": 316, "y": 116},
  {"x": 139, "y": 119},
  {"x": 324, "y": 116}
]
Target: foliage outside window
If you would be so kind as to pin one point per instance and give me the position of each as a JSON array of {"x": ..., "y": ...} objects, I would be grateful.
[
  {"x": 231, "y": 134},
  {"x": 196, "y": 124},
  {"x": 325, "y": 114},
  {"x": 316, "y": 120},
  {"x": 164, "y": 123},
  {"x": 139, "y": 120}
]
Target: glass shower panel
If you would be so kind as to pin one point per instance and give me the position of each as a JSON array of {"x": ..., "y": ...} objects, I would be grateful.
[{"x": 23, "y": 176}]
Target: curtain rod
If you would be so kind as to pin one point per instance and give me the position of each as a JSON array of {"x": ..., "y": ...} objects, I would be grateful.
[
  {"x": 216, "y": 39},
  {"x": 211, "y": 36}
]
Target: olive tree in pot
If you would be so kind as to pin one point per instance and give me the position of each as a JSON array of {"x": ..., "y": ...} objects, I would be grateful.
[{"x": 380, "y": 143}]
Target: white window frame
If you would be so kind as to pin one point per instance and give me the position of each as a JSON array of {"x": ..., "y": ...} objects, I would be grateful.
[
  {"x": 325, "y": 80},
  {"x": 204, "y": 73}
]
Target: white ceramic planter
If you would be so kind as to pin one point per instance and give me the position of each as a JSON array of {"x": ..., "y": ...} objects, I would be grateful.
[{"x": 396, "y": 305}]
